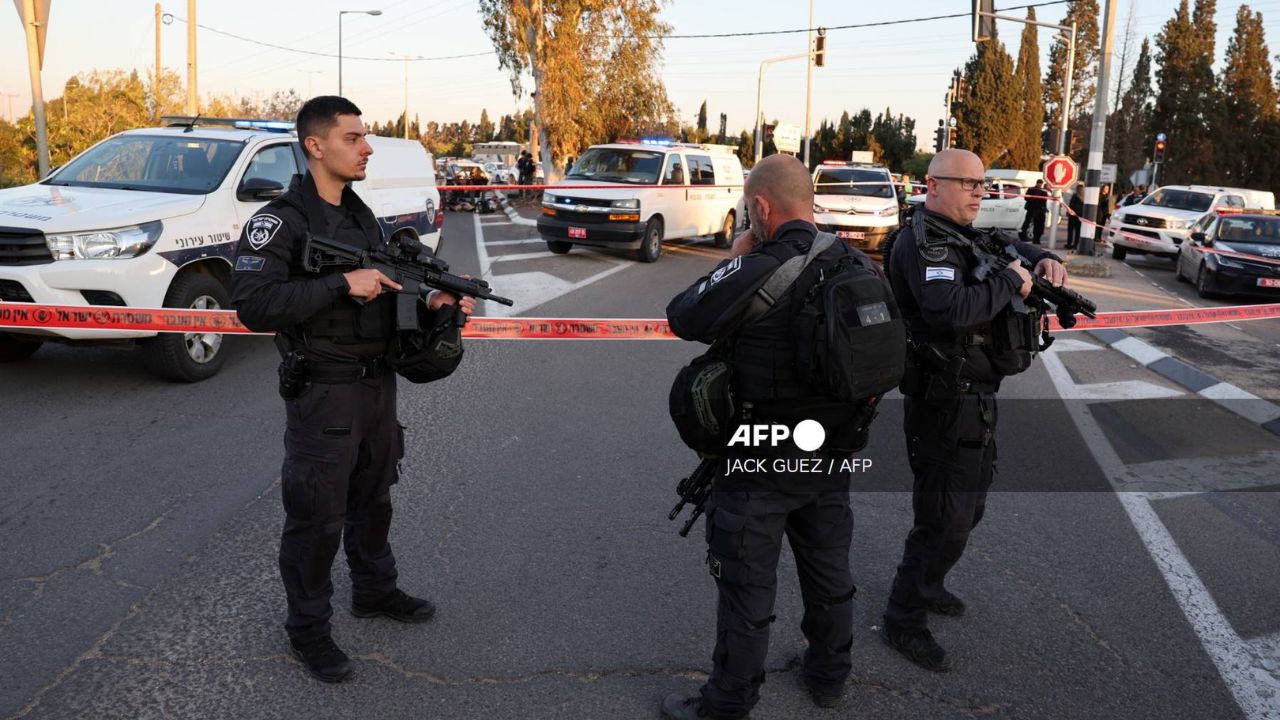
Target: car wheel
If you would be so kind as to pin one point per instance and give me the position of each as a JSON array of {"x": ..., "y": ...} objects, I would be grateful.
[
  {"x": 189, "y": 357},
  {"x": 1177, "y": 273},
  {"x": 724, "y": 238},
  {"x": 1117, "y": 252},
  {"x": 651, "y": 245},
  {"x": 558, "y": 247},
  {"x": 14, "y": 348},
  {"x": 1204, "y": 283}
]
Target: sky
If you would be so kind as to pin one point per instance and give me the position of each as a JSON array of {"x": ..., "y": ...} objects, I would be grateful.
[{"x": 903, "y": 67}]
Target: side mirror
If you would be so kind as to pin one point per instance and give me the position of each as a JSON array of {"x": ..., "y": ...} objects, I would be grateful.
[
  {"x": 259, "y": 189},
  {"x": 1198, "y": 238}
]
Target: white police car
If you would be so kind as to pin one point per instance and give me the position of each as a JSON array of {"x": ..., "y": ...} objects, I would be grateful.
[{"x": 150, "y": 218}]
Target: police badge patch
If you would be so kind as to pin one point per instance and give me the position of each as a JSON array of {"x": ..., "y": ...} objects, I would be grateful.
[
  {"x": 933, "y": 253},
  {"x": 261, "y": 229}
]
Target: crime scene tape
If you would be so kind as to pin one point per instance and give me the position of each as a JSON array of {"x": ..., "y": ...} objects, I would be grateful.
[{"x": 32, "y": 316}]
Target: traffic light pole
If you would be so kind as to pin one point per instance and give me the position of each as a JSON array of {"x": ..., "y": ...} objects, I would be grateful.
[
  {"x": 760, "y": 97},
  {"x": 1093, "y": 175}
]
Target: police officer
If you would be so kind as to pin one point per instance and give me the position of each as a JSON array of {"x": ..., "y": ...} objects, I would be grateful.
[
  {"x": 342, "y": 440},
  {"x": 952, "y": 376},
  {"x": 749, "y": 512},
  {"x": 1037, "y": 206}
]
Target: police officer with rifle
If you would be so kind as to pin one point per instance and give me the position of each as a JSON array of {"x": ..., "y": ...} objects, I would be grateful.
[
  {"x": 975, "y": 306},
  {"x": 338, "y": 330},
  {"x": 750, "y": 308}
]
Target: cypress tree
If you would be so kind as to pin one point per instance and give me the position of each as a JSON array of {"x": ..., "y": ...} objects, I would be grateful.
[
  {"x": 988, "y": 117},
  {"x": 1248, "y": 103},
  {"x": 1084, "y": 75},
  {"x": 1028, "y": 145},
  {"x": 1187, "y": 102}
]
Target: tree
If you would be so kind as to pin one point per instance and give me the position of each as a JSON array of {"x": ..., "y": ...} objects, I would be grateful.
[
  {"x": 702, "y": 123},
  {"x": 593, "y": 65},
  {"x": 1084, "y": 13},
  {"x": 1187, "y": 100},
  {"x": 484, "y": 128},
  {"x": 1248, "y": 103},
  {"x": 1028, "y": 138},
  {"x": 1128, "y": 135},
  {"x": 987, "y": 118}
]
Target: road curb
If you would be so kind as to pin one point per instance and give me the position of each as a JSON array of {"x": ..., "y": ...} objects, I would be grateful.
[
  {"x": 512, "y": 215},
  {"x": 1247, "y": 405}
]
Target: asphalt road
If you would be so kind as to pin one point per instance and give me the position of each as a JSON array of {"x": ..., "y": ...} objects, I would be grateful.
[{"x": 141, "y": 521}]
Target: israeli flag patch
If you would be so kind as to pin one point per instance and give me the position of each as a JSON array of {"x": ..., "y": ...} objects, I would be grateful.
[
  {"x": 939, "y": 273},
  {"x": 261, "y": 229}
]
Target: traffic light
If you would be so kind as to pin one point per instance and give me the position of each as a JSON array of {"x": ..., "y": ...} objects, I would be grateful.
[
  {"x": 938, "y": 139},
  {"x": 1161, "y": 144},
  {"x": 951, "y": 137},
  {"x": 820, "y": 48}
]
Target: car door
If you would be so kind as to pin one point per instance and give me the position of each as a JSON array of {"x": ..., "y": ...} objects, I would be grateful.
[
  {"x": 670, "y": 197},
  {"x": 702, "y": 206}
]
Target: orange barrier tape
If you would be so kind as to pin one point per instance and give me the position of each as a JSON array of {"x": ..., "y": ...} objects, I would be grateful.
[{"x": 30, "y": 316}]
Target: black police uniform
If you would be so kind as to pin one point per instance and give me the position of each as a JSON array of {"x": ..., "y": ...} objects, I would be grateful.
[
  {"x": 748, "y": 514},
  {"x": 950, "y": 424},
  {"x": 342, "y": 439},
  {"x": 1036, "y": 206}
]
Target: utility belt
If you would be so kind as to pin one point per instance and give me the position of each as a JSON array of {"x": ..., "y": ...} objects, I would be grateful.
[
  {"x": 930, "y": 375},
  {"x": 296, "y": 372}
]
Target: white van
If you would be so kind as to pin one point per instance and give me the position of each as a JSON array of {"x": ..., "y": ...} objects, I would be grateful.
[
  {"x": 151, "y": 217},
  {"x": 657, "y": 197},
  {"x": 1166, "y": 216}
]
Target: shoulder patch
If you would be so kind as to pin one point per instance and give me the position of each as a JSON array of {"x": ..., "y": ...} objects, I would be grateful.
[
  {"x": 262, "y": 228},
  {"x": 249, "y": 263},
  {"x": 934, "y": 253},
  {"x": 939, "y": 273},
  {"x": 724, "y": 272}
]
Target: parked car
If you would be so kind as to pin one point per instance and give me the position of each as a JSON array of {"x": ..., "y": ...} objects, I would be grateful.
[
  {"x": 1160, "y": 224},
  {"x": 1236, "y": 254}
]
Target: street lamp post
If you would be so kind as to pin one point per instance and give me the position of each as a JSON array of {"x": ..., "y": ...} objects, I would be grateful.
[{"x": 340, "y": 14}]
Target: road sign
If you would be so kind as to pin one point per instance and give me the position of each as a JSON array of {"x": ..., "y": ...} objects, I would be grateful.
[
  {"x": 786, "y": 137},
  {"x": 1060, "y": 172},
  {"x": 1108, "y": 173}
]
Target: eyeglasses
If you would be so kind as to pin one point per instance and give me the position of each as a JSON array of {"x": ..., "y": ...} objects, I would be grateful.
[{"x": 966, "y": 184}]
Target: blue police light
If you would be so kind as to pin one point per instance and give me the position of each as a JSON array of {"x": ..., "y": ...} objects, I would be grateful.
[
  {"x": 269, "y": 125},
  {"x": 663, "y": 141}
]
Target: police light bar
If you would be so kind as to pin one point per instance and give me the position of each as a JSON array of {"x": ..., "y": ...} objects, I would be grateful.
[
  {"x": 270, "y": 125},
  {"x": 190, "y": 121},
  {"x": 1232, "y": 211}
]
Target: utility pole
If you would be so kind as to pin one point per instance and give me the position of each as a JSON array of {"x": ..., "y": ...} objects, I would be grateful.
[
  {"x": 155, "y": 83},
  {"x": 309, "y": 73},
  {"x": 406, "y": 59},
  {"x": 35, "y": 26},
  {"x": 808, "y": 85},
  {"x": 760, "y": 99},
  {"x": 10, "y": 116},
  {"x": 193, "y": 104},
  {"x": 1093, "y": 173}
]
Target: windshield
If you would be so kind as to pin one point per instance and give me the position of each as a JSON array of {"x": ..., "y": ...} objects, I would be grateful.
[
  {"x": 836, "y": 181},
  {"x": 172, "y": 164},
  {"x": 639, "y": 167},
  {"x": 1261, "y": 231},
  {"x": 1179, "y": 200}
]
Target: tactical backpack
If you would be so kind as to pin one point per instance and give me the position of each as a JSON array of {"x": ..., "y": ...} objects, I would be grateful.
[{"x": 851, "y": 341}]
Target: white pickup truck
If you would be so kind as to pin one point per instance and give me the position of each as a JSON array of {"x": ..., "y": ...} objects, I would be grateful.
[{"x": 150, "y": 218}]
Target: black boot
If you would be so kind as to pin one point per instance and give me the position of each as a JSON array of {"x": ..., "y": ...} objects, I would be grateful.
[
  {"x": 827, "y": 697},
  {"x": 675, "y": 707},
  {"x": 918, "y": 646},
  {"x": 324, "y": 660},
  {"x": 396, "y": 605},
  {"x": 947, "y": 604}
]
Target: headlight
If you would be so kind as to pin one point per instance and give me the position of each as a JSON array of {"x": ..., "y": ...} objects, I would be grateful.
[
  {"x": 632, "y": 204},
  {"x": 548, "y": 198},
  {"x": 887, "y": 211},
  {"x": 1178, "y": 224},
  {"x": 820, "y": 209},
  {"x": 1225, "y": 261},
  {"x": 125, "y": 242}
]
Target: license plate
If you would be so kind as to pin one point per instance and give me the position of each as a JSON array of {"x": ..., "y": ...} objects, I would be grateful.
[
  {"x": 1269, "y": 282},
  {"x": 851, "y": 235},
  {"x": 577, "y": 232}
]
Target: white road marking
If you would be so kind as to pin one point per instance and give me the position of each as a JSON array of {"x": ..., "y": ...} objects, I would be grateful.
[
  {"x": 1144, "y": 353},
  {"x": 526, "y": 241},
  {"x": 1121, "y": 390},
  {"x": 523, "y": 256},
  {"x": 1242, "y": 665}
]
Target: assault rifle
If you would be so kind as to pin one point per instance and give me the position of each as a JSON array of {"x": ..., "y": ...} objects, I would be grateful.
[
  {"x": 695, "y": 489},
  {"x": 405, "y": 261},
  {"x": 995, "y": 251}
]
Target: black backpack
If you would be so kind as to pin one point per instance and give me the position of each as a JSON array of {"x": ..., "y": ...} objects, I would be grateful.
[{"x": 851, "y": 340}]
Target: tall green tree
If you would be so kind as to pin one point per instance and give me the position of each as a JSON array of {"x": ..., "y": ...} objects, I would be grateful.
[
  {"x": 1028, "y": 140},
  {"x": 702, "y": 122},
  {"x": 1248, "y": 103},
  {"x": 1187, "y": 103},
  {"x": 484, "y": 128},
  {"x": 1084, "y": 75},
  {"x": 1128, "y": 128},
  {"x": 593, "y": 64},
  {"x": 989, "y": 115}
]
